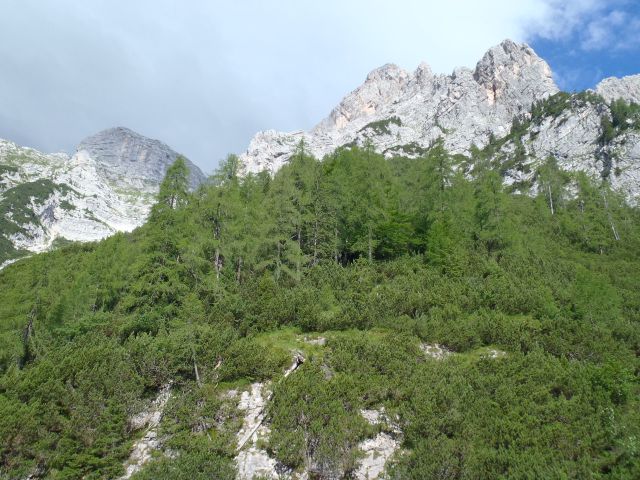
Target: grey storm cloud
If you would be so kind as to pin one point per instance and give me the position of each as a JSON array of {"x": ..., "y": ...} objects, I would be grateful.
[{"x": 204, "y": 76}]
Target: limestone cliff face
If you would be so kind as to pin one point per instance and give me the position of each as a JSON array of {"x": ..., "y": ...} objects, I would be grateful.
[
  {"x": 126, "y": 156},
  {"x": 400, "y": 112},
  {"x": 626, "y": 88},
  {"x": 108, "y": 185},
  {"x": 574, "y": 139}
]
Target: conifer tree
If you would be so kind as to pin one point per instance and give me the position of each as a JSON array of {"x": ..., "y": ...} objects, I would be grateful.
[{"x": 175, "y": 186}]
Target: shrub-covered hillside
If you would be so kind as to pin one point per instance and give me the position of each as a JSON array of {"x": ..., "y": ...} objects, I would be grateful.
[{"x": 535, "y": 297}]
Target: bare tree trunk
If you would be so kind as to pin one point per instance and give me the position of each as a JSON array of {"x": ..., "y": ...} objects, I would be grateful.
[
  {"x": 315, "y": 241},
  {"x": 26, "y": 336},
  {"x": 217, "y": 263},
  {"x": 195, "y": 366},
  {"x": 550, "y": 199},
  {"x": 370, "y": 247},
  {"x": 299, "y": 253},
  {"x": 278, "y": 261},
  {"x": 613, "y": 227}
]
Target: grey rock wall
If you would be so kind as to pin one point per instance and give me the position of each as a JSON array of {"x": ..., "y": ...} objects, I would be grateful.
[
  {"x": 465, "y": 108},
  {"x": 126, "y": 156}
]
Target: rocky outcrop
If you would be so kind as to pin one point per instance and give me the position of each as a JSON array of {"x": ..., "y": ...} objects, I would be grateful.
[
  {"x": 107, "y": 186},
  {"x": 142, "y": 450},
  {"x": 126, "y": 157},
  {"x": 573, "y": 137},
  {"x": 402, "y": 112},
  {"x": 379, "y": 450},
  {"x": 627, "y": 88},
  {"x": 435, "y": 351},
  {"x": 252, "y": 460}
]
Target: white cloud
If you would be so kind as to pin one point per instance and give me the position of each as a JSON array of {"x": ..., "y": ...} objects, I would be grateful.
[
  {"x": 617, "y": 30},
  {"x": 593, "y": 24},
  {"x": 600, "y": 33},
  {"x": 559, "y": 19}
]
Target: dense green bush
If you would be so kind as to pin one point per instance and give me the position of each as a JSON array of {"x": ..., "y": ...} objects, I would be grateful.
[{"x": 221, "y": 286}]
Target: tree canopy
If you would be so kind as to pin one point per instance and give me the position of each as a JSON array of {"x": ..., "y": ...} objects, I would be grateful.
[{"x": 380, "y": 257}]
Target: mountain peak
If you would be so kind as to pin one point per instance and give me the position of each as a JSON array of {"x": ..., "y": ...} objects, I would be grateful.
[
  {"x": 387, "y": 72},
  {"x": 127, "y": 154},
  {"x": 510, "y": 67},
  {"x": 382, "y": 85},
  {"x": 399, "y": 111},
  {"x": 509, "y": 52}
]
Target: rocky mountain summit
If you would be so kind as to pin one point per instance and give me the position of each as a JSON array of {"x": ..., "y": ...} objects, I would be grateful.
[
  {"x": 108, "y": 185},
  {"x": 400, "y": 113},
  {"x": 126, "y": 156}
]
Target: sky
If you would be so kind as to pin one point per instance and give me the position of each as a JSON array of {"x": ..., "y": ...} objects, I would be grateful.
[{"x": 205, "y": 76}]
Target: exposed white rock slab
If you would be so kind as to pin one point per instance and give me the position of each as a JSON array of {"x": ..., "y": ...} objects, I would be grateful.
[
  {"x": 380, "y": 449},
  {"x": 253, "y": 404},
  {"x": 7, "y": 263},
  {"x": 435, "y": 351},
  {"x": 253, "y": 461},
  {"x": 377, "y": 451},
  {"x": 494, "y": 353},
  {"x": 142, "y": 451},
  {"x": 320, "y": 341}
]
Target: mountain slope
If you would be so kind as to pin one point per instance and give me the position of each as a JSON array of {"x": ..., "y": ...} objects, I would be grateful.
[
  {"x": 627, "y": 88},
  {"x": 430, "y": 325},
  {"x": 108, "y": 185},
  {"x": 125, "y": 156},
  {"x": 582, "y": 133},
  {"x": 401, "y": 113}
]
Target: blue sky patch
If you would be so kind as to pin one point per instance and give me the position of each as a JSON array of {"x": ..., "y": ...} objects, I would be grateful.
[{"x": 605, "y": 44}]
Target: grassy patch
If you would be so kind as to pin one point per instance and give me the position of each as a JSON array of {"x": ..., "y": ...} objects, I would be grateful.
[
  {"x": 381, "y": 127},
  {"x": 65, "y": 205}
]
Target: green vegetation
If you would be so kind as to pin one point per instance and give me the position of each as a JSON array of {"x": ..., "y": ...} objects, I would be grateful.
[
  {"x": 65, "y": 205},
  {"x": 8, "y": 251},
  {"x": 624, "y": 116},
  {"x": 16, "y": 211},
  {"x": 60, "y": 242},
  {"x": 410, "y": 149},
  {"x": 381, "y": 127},
  {"x": 4, "y": 170},
  {"x": 555, "y": 105},
  {"x": 17, "y": 201},
  {"x": 548, "y": 108},
  {"x": 376, "y": 256},
  {"x": 616, "y": 118}
]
